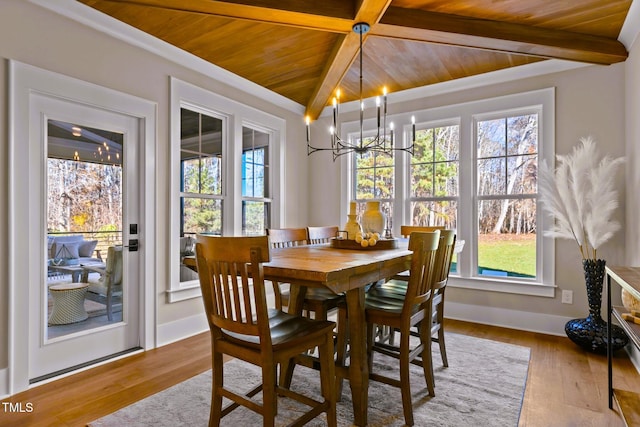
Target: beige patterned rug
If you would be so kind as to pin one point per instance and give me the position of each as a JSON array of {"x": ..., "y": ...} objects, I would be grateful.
[{"x": 483, "y": 386}]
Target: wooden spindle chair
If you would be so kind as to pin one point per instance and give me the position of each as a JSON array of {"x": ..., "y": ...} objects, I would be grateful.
[{"x": 232, "y": 282}]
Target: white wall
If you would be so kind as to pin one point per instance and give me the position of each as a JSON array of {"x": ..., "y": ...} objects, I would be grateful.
[{"x": 589, "y": 101}]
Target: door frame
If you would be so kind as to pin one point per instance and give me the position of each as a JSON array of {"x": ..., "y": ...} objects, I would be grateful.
[{"x": 26, "y": 244}]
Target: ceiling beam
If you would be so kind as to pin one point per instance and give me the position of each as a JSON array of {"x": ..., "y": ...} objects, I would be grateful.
[
  {"x": 343, "y": 55},
  {"x": 325, "y": 15},
  {"x": 423, "y": 26}
]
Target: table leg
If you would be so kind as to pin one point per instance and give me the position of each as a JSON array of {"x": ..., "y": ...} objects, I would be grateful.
[
  {"x": 296, "y": 305},
  {"x": 358, "y": 367},
  {"x": 75, "y": 276}
]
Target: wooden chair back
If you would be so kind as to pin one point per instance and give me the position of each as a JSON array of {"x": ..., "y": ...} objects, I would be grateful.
[
  {"x": 287, "y": 237},
  {"x": 225, "y": 267},
  {"x": 406, "y": 230},
  {"x": 318, "y": 235},
  {"x": 425, "y": 247},
  {"x": 443, "y": 258}
]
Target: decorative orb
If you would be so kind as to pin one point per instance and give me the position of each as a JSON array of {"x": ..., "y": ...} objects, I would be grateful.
[{"x": 629, "y": 302}]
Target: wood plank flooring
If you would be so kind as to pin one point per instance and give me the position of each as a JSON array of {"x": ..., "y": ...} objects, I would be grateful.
[{"x": 565, "y": 387}]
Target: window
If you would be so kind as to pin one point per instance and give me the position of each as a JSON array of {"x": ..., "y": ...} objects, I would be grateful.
[
  {"x": 225, "y": 172},
  {"x": 255, "y": 182},
  {"x": 433, "y": 175},
  {"x": 374, "y": 180},
  {"x": 506, "y": 165},
  {"x": 474, "y": 169},
  {"x": 201, "y": 198}
]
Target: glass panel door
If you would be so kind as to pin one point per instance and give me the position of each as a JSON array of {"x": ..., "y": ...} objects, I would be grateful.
[{"x": 84, "y": 228}]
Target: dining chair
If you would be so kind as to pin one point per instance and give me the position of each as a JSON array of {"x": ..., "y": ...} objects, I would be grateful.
[
  {"x": 284, "y": 238},
  {"x": 446, "y": 248},
  {"x": 401, "y": 313},
  {"x": 242, "y": 326},
  {"x": 318, "y": 301},
  {"x": 406, "y": 230},
  {"x": 324, "y": 234},
  {"x": 109, "y": 284}
]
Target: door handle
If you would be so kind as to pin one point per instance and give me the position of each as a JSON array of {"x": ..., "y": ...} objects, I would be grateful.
[{"x": 133, "y": 245}]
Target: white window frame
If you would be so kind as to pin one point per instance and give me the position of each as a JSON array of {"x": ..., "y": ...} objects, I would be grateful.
[
  {"x": 267, "y": 199},
  {"x": 235, "y": 115},
  {"x": 466, "y": 114}
]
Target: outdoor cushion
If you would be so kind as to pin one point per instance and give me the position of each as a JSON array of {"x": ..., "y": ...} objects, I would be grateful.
[{"x": 87, "y": 247}]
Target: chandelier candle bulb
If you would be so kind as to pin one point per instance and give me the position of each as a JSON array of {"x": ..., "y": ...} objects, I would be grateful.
[
  {"x": 391, "y": 132},
  {"x": 335, "y": 111},
  {"x": 384, "y": 98},
  {"x": 308, "y": 121},
  {"x": 378, "y": 107},
  {"x": 413, "y": 127}
]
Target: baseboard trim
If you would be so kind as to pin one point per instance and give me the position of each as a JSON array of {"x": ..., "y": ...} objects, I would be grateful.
[
  {"x": 180, "y": 329},
  {"x": 507, "y": 318}
]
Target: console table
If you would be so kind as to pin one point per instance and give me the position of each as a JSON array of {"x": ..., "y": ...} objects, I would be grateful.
[{"x": 629, "y": 279}]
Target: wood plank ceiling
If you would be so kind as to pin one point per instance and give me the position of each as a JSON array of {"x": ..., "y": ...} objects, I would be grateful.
[{"x": 304, "y": 50}]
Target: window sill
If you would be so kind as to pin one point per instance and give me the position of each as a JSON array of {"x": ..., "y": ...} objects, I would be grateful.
[
  {"x": 511, "y": 287},
  {"x": 187, "y": 290}
]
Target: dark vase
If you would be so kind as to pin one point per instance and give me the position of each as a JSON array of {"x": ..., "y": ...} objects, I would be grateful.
[{"x": 591, "y": 333}]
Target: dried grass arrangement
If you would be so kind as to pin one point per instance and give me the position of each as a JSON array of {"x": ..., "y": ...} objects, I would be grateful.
[{"x": 580, "y": 194}]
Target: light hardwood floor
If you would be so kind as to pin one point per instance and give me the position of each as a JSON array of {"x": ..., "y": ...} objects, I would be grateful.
[{"x": 565, "y": 387}]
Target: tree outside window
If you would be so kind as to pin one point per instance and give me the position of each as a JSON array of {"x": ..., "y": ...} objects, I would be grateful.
[
  {"x": 201, "y": 174},
  {"x": 434, "y": 178},
  {"x": 507, "y": 163}
]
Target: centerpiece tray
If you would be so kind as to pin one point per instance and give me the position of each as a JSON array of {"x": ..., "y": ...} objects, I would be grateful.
[{"x": 352, "y": 244}]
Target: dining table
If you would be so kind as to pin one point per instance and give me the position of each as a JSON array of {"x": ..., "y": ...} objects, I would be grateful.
[{"x": 346, "y": 271}]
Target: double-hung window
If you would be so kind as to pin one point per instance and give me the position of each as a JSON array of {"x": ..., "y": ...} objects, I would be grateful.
[
  {"x": 506, "y": 172},
  {"x": 256, "y": 202},
  {"x": 201, "y": 197},
  {"x": 434, "y": 171},
  {"x": 374, "y": 180},
  {"x": 474, "y": 169},
  {"x": 226, "y": 175}
]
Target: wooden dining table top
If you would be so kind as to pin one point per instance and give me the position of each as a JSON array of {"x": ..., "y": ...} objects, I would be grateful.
[
  {"x": 323, "y": 265},
  {"x": 326, "y": 266}
]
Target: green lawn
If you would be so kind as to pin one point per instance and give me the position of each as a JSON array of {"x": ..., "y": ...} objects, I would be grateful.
[{"x": 508, "y": 252}]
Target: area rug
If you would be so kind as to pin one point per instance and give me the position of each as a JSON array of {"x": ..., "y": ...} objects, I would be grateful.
[{"x": 483, "y": 386}]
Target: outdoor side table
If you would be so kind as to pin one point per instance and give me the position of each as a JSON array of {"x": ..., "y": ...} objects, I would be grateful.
[{"x": 68, "y": 303}]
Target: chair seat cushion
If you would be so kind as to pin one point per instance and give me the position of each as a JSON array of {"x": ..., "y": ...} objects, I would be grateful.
[
  {"x": 397, "y": 288},
  {"x": 284, "y": 328}
]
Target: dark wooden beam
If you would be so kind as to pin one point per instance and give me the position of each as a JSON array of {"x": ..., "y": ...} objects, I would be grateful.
[{"x": 422, "y": 26}]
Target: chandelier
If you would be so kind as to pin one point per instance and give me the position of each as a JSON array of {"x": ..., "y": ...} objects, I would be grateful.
[{"x": 382, "y": 142}]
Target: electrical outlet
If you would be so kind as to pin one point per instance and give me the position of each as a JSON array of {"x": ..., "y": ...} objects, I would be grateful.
[{"x": 567, "y": 297}]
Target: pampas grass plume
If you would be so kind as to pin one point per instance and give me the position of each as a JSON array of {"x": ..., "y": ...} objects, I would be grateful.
[{"x": 581, "y": 196}]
